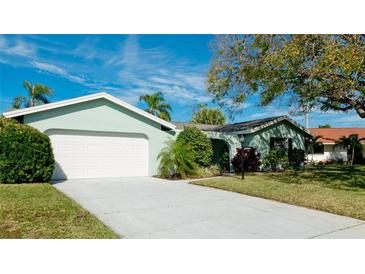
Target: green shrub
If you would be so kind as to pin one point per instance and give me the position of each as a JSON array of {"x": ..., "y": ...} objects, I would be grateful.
[
  {"x": 176, "y": 160},
  {"x": 224, "y": 162},
  {"x": 200, "y": 144},
  {"x": 275, "y": 159},
  {"x": 296, "y": 157},
  {"x": 213, "y": 170},
  {"x": 25, "y": 153}
]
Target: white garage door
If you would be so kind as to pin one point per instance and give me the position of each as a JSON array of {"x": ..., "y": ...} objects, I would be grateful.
[{"x": 98, "y": 154}]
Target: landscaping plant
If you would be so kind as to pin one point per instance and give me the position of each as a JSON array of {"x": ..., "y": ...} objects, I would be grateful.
[
  {"x": 199, "y": 142},
  {"x": 213, "y": 170},
  {"x": 296, "y": 157},
  {"x": 275, "y": 159},
  {"x": 251, "y": 159},
  {"x": 25, "y": 153},
  {"x": 176, "y": 160},
  {"x": 224, "y": 161}
]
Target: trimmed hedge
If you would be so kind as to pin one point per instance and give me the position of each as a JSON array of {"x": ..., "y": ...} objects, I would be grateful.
[
  {"x": 25, "y": 153},
  {"x": 200, "y": 144}
]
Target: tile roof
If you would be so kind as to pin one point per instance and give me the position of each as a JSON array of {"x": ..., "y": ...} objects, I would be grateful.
[{"x": 331, "y": 135}]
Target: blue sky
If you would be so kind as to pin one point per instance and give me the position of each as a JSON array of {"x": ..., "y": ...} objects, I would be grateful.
[{"x": 127, "y": 66}]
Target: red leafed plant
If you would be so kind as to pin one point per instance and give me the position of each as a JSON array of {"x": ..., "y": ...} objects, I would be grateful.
[{"x": 251, "y": 159}]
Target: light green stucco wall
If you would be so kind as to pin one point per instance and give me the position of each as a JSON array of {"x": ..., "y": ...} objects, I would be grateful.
[
  {"x": 261, "y": 139},
  {"x": 103, "y": 115}
]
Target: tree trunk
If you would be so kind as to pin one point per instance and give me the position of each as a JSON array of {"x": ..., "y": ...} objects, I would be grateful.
[
  {"x": 352, "y": 154},
  {"x": 32, "y": 97}
]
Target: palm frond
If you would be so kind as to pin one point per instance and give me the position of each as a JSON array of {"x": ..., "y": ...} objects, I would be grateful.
[
  {"x": 19, "y": 102},
  {"x": 156, "y": 105},
  {"x": 176, "y": 159},
  {"x": 28, "y": 86}
]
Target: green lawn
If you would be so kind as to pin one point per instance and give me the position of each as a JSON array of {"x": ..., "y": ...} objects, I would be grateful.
[
  {"x": 333, "y": 188},
  {"x": 41, "y": 211}
]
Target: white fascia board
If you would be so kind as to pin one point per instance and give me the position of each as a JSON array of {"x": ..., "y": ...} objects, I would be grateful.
[{"x": 30, "y": 110}]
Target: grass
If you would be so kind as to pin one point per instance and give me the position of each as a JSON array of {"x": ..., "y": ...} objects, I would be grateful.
[
  {"x": 41, "y": 211},
  {"x": 338, "y": 189}
]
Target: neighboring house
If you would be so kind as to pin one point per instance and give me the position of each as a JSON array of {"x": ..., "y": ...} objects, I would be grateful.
[
  {"x": 101, "y": 136},
  {"x": 329, "y": 136},
  {"x": 262, "y": 134}
]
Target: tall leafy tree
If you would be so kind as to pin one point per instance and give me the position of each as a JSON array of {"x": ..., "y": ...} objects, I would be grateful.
[
  {"x": 352, "y": 142},
  {"x": 156, "y": 105},
  {"x": 309, "y": 71},
  {"x": 37, "y": 94},
  {"x": 209, "y": 116}
]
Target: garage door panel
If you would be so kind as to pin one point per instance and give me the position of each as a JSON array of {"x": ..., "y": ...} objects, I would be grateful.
[{"x": 91, "y": 155}]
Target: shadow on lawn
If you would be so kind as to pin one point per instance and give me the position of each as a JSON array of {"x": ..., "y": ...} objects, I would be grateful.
[{"x": 337, "y": 177}]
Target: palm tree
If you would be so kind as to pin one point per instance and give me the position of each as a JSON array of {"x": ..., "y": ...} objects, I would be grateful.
[
  {"x": 37, "y": 95},
  {"x": 352, "y": 143},
  {"x": 177, "y": 159},
  {"x": 311, "y": 143},
  {"x": 156, "y": 105}
]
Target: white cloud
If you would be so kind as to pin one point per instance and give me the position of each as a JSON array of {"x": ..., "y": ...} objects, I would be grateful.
[
  {"x": 17, "y": 47},
  {"x": 157, "y": 69},
  {"x": 86, "y": 50},
  {"x": 258, "y": 115},
  {"x": 127, "y": 71},
  {"x": 51, "y": 68}
]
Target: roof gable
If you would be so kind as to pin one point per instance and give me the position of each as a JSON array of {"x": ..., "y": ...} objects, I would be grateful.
[{"x": 102, "y": 95}]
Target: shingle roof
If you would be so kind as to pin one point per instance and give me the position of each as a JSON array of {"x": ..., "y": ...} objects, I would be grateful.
[
  {"x": 331, "y": 135},
  {"x": 247, "y": 125},
  {"x": 244, "y": 127}
]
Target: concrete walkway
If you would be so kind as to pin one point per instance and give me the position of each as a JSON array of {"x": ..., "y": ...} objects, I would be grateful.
[{"x": 144, "y": 207}]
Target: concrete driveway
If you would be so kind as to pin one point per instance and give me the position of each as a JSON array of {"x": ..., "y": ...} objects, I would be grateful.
[{"x": 144, "y": 207}]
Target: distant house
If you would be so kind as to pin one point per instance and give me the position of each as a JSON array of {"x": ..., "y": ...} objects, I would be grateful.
[{"x": 329, "y": 136}]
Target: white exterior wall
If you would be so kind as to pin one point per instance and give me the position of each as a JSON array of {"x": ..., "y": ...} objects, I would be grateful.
[{"x": 330, "y": 153}]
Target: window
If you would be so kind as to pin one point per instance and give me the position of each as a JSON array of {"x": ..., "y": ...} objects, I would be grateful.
[
  {"x": 285, "y": 144},
  {"x": 318, "y": 149}
]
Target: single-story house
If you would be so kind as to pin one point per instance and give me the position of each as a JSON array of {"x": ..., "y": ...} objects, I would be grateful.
[
  {"x": 101, "y": 136},
  {"x": 328, "y": 137},
  {"x": 262, "y": 134}
]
